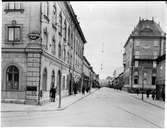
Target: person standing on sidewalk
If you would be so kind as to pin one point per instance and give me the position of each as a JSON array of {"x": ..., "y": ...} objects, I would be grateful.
[
  {"x": 153, "y": 95},
  {"x": 51, "y": 94},
  {"x": 83, "y": 90},
  {"x": 75, "y": 88},
  {"x": 54, "y": 93}
]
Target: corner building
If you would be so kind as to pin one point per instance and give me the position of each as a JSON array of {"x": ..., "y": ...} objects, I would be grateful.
[
  {"x": 140, "y": 58},
  {"x": 42, "y": 45}
]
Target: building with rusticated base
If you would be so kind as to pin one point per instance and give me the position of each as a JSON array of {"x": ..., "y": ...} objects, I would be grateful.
[{"x": 42, "y": 46}]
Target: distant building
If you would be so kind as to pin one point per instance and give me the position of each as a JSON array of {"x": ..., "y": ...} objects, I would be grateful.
[
  {"x": 86, "y": 73},
  {"x": 140, "y": 57}
]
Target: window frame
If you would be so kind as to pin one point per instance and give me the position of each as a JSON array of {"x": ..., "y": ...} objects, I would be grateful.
[
  {"x": 7, "y": 9},
  {"x": 13, "y": 74},
  {"x": 7, "y": 26}
]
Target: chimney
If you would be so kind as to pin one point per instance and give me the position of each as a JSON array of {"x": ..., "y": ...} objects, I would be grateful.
[
  {"x": 139, "y": 18},
  {"x": 152, "y": 18}
]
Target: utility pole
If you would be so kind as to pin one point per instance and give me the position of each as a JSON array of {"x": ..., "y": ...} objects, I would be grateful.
[
  {"x": 142, "y": 83},
  {"x": 102, "y": 51}
]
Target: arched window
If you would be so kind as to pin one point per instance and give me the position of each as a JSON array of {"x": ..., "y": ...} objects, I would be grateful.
[
  {"x": 136, "y": 77},
  {"x": 53, "y": 79},
  {"x": 64, "y": 54},
  {"x": 44, "y": 80},
  {"x": 59, "y": 52},
  {"x": 12, "y": 78}
]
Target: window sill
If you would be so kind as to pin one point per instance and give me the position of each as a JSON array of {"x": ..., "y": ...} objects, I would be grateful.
[
  {"x": 14, "y": 42},
  {"x": 14, "y": 10}
]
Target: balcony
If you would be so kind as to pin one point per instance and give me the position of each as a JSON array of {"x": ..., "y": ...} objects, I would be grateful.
[{"x": 147, "y": 57}]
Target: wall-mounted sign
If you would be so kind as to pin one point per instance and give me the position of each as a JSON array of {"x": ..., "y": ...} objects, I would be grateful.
[{"x": 33, "y": 36}]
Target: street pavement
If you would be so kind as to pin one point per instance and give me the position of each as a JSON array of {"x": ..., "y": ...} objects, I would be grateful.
[{"x": 103, "y": 108}]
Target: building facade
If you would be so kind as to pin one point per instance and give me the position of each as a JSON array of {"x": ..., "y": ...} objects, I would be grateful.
[
  {"x": 86, "y": 73},
  {"x": 42, "y": 46},
  {"x": 160, "y": 81},
  {"x": 141, "y": 51}
]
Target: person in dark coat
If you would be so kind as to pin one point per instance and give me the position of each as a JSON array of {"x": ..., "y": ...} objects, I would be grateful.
[
  {"x": 153, "y": 95},
  {"x": 75, "y": 88},
  {"x": 148, "y": 93},
  {"x": 54, "y": 93},
  {"x": 83, "y": 90},
  {"x": 51, "y": 94}
]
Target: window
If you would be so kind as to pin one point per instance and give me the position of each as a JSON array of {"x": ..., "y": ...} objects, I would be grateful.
[
  {"x": 59, "y": 51},
  {"x": 14, "y": 33},
  {"x": 12, "y": 78},
  {"x": 137, "y": 43},
  {"x": 46, "y": 38},
  {"x": 155, "y": 43},
  {"x": 64, "y": 54},
  {"x": 53, "y": 79},
  {"x": 60, "y": 23},
  {"x": 68, "y": 56},
  {"x": 65, "y": 30},
  {"x": 153, "y": 80},
  {"x": 135, "y": 80},
  {"x": 71, "y": 39},
  {"x": 13, "y": 6},
  {"x": 136, "y": 63},
  {"x": 54, "y": 15},
  {"x": 63, "y": 88},
  {"x": 137, "y": 53},
  {"x": 68, "y": 34},
  {"x": 44, "y": 80},
  {"x": 53, "y": 45},
  {"x": 154, "y": 64}
]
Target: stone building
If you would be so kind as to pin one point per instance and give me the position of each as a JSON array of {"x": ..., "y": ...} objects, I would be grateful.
[
  {"x": 86, "y": 73},
  {"x": 160, "y": 80},
  {"x": 42, "y": 46},
  {"x": 141, "y": 51}
]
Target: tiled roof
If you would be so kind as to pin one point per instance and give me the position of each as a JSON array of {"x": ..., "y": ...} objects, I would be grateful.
[{"x": 147, "y": 27}]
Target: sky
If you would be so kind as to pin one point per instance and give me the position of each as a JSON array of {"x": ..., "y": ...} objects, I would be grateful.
[{"x": 107, "y": 25}]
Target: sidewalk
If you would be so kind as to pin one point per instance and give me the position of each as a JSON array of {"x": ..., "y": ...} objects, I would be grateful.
[
  {"x": 52, "y": 106},
  {"x": 157, "y": 103}
]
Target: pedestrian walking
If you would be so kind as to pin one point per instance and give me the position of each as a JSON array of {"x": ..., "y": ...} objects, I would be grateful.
[
  {"x": 147, "y": 93},
  {"x": 137, "y": 91},
  {"x": 51, "y": 94},
  {"x": 54, "y": 93},
  {"x": 153, "y": 95},
  {"x": 75, "y": 89},
  {"x": 83, "y": 90}
]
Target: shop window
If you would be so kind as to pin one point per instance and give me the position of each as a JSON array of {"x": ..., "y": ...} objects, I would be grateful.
[{"x": 12, "y": 78}]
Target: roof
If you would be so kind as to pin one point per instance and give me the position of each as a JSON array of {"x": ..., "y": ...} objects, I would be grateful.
[
  {"x": 86, "y": 60},
  {"x": 74, "y": 18},
  {"x": 146, "y": 28}
]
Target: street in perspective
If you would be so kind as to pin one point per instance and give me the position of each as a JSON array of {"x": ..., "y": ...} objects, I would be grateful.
[{"x": 83, "y": 64}]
